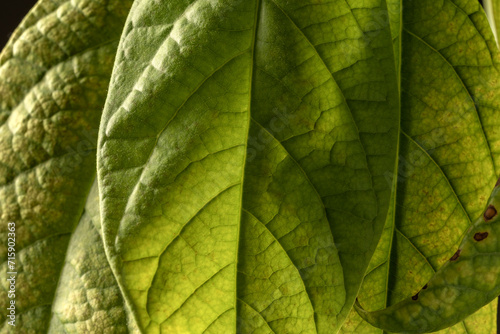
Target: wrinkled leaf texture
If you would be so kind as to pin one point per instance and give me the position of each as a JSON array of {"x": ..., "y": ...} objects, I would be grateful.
[
  {"x": 250, "y": 155},
  {"x": 54, "y": 73}
]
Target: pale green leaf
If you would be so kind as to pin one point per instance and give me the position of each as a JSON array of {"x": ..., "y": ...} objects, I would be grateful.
[
  {"x": 88, "y": 298},
  {"x": 53, "y": 78},
  {"x": 242, "y": 161}
]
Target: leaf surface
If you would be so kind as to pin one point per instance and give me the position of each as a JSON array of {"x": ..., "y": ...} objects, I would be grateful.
[
  {"x": 88, "y": 298},
  {"x": 241, "y": 163},
  {"x": 53, "y": 78},
  {"x": 448, "y": 152},
  {"x": 463, "y": 285},
  {"x": 247, "y": 160}
]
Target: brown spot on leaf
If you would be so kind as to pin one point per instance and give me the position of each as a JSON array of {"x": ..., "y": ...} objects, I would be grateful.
[
  {"x": 415, "y": 297},
  {"x": 498, "y": 183},
  {"x": 480, "y": 236},
  {"x": 490, "y": 213},
  {"x": 425, "y": 287},
  {"x": 456, "y": 255}
]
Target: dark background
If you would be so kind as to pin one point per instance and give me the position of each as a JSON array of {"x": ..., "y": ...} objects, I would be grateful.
[{"x": 13, "y": 12}]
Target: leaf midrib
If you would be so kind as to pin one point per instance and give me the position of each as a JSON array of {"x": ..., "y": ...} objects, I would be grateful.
[
  {"x": 396, "y": 163},
  {"x": 258, "y": 4}
]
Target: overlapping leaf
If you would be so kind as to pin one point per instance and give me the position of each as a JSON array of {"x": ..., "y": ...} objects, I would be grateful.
[
  {"x": 88, "y": 299},
  {"x": 53, "y": 78},
  {"x": 448, "y": 148},
  {"x": 246, "y": 160}
]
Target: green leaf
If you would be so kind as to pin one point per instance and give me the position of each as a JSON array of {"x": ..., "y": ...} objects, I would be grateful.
[
  {"x": 53, "y": 78},
  {"x": 468, "y": 281},
  {"x": 241, "y": 162},
  {"x": 374, "y": 295},
  {"x": 251, "y": 155},
  {"x": 483, "y": 321},
  {"x": 88, "y": 284},
  {"x": 448, "y": 148}
]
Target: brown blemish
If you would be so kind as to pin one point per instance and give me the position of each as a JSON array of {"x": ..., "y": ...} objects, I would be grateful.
[
  {"x": 456, "y": 255},
  {"x": 425, "y": 287},
  {"x": 480, "y": 236},
  {"x": 415, "y": 297},
  {"x": 490, "y": 213},
  {"x": 498, "y": 183}
]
